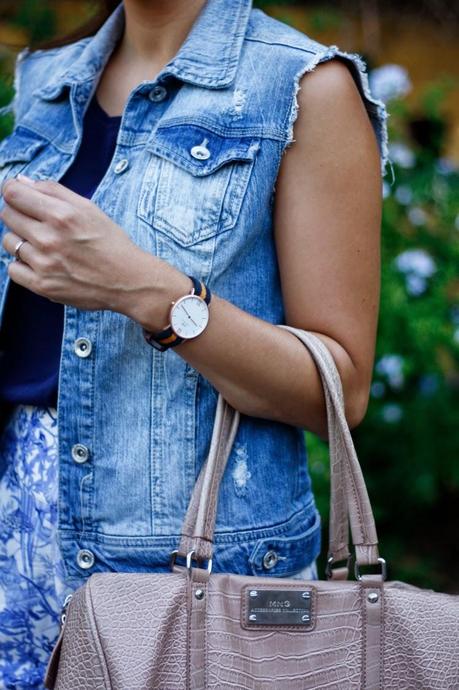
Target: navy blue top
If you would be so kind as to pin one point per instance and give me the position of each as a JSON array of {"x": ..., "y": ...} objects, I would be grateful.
[{"x": 31, "y": 334}]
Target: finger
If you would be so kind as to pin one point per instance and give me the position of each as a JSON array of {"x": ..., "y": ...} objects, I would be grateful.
[
  {"x": 52, "y": 188},
  {"x": 22, "y": 274},
  {"x": 27, "y": 228},
  {"x": 27, "y": 252},
  {"x": 31, "y": 201}
]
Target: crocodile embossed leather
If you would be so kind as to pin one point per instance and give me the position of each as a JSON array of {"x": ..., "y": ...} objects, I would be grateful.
[{"x": 191, "y": 629}]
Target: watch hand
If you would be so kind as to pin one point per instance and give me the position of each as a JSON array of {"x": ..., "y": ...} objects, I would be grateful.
[{"x": 184, "y": 309}]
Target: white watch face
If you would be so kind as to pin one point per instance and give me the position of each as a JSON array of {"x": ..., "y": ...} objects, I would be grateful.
[{"x": 189, "y": 316}]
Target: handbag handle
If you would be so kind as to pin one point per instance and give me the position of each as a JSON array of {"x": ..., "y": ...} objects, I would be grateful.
[
  {"x": 199, "y": 523},
  {"x": 348, "y": 492},
  {"x": 342, "y": 457},
  {"x": 349, "y": 496}
]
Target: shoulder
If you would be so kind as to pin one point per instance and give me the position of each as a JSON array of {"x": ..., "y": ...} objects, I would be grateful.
[
  {"x": 331, "y": 121},
  {"x": 326, "y": 80},
  {"x": 335, "y": 113},
  {"x": 331, "y": 86}
]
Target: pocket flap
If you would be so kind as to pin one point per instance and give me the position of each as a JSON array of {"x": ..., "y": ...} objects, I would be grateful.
[
  {"x": 20, "y": 146},
  {"x": 199, "y": 150}
]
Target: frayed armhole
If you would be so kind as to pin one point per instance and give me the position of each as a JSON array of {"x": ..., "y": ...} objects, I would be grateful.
[{"x": 375, "y": 108}]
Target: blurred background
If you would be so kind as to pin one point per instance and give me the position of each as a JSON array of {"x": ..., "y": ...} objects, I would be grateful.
[{"x": 408, "y": 443}]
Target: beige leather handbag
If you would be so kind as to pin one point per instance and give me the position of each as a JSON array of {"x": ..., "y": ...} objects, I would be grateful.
[{"x": 193, "y": 630}]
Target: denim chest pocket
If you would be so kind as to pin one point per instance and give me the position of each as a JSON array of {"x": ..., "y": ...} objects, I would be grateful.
[
  {"x": 17, "y": 151},
  {"x": 195, "y": 181}
]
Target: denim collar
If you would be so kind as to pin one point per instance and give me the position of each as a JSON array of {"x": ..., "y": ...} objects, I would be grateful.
[{"x": 208, "y": 57}]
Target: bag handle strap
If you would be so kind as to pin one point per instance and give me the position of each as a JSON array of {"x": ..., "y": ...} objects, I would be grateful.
[
  {"x": 199, "y": 523},
  {"x": 343, "y": 498},
  {"x": 348, "y": 491}
]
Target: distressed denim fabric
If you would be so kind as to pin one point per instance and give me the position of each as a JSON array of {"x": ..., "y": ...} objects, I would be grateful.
[
  {"x": 309, "y": 572},
  {"x": 192, "y": 181}
]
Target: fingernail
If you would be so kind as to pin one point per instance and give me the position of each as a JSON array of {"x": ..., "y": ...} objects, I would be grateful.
[{"x": 25, "y": 179}]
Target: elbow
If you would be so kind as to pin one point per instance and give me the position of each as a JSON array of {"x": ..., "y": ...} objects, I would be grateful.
[
  {"x": 356, "y": 400},
  {"x": 355, "y": 408},
  {"x": 356, "y": 405},
  {"x": 356, "y": 386}
]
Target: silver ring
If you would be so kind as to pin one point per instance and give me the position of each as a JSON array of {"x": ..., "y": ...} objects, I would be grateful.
[{"x": 18, "y": 249}]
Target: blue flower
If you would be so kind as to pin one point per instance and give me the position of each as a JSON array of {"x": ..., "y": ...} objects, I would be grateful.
[
  {"x": 402, "y": 155},
  {"x": 404, "y": 194},
  {"x": 391, "y": 366},
  {"x": 428, "y": 384},
  {"x": 377, "y": 389},
  {"x": 389, "y": 81},
  {"x": 391, "y": 413},
  {"x": 417, "y": 215},
  {"x": 417, "y": 266}
]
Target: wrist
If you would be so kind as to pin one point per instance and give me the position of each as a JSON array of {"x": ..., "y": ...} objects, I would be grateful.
[
  {"x": 188, "y": 318},
  {"x": 155, "y": 284}
]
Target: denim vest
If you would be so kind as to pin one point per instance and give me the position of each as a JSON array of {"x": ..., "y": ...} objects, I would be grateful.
[{"x": 134, "y": 423}]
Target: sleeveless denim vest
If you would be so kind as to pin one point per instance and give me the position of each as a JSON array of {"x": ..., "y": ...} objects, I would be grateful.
[{"x": 134, "y": 423}]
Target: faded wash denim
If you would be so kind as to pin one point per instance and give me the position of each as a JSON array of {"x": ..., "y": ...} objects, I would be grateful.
[{"x": 134, "y": 423}]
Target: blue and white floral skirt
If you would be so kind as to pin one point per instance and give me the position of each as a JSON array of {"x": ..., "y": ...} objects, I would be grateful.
[{"x": 33, "y": 583}]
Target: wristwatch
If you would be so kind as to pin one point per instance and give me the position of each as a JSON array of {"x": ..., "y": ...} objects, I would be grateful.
[{"x": 188, "y": 317}]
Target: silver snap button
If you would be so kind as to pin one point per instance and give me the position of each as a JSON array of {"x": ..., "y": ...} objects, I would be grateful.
[
  {"x": 83, "y": 347},
  {"x": 80, "y": 453},
  {"x": 373, "y": 597},
  {"x": 201, "y": 152},
  {"x": 270, "y": 559},
  {"x": 85, "y": 559},
  {"x": 121, "y": 166},
  {"x": 157, "y": 94}
]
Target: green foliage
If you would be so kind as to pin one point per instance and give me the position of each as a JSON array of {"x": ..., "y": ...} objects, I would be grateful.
[
  {"x": 408, "y": 443},
  {"x": 435, "y": 94},
  {"x": 6, "y": 95},
  {"x": 37, "y": 17},
  {"x": 325, "y": 18}
]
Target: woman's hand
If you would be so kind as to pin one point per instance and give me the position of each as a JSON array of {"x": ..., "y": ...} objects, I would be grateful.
[{"x": 74, "y": 253}]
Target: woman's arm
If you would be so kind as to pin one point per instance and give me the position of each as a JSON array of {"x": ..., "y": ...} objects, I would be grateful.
[
  {"x": 327, "y": 230},
  {"x": 327, "y": 223}
]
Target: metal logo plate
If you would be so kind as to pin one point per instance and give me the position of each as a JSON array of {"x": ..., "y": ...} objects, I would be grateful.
[{"x": 278, "y": 606}]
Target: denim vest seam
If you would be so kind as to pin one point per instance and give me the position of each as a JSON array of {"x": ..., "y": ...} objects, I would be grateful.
[
  {"x": 228, "y": 537},
  {"x": 257, "y": 39}
]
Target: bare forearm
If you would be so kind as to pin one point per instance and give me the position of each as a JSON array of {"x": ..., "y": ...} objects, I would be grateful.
[{"x": 260, "y": 369}]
